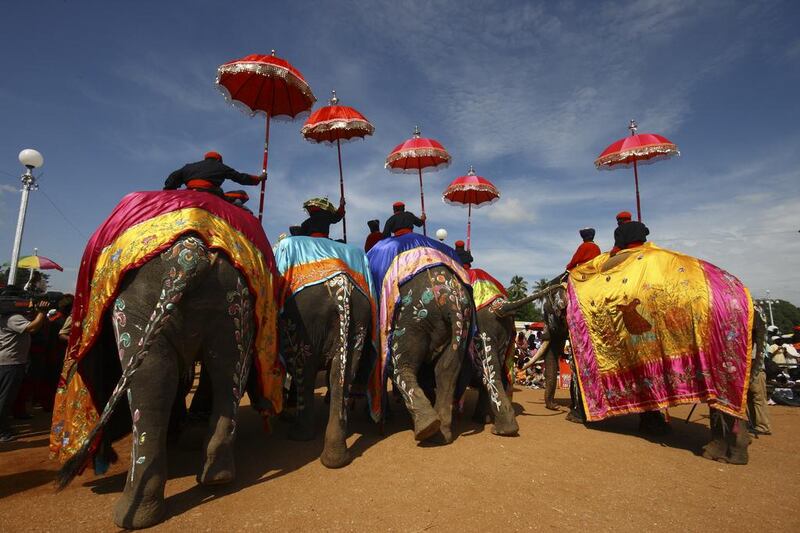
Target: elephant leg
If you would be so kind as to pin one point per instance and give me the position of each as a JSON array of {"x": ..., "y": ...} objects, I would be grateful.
[
  {"x": 505, "y": 422},
  {"x": 227, "y": 356},
  {"x": 334, "y": 454},
  {"x": 550, "y": 379},
  {"x": 152, "y": 389},
  {"x": 306, "y": 366},
  {"x": 738, "y": 440},
  {"x": 447, "y": 370},
  {"x": 407, "y": 359},
  {"x": 729, "y": 439},
  {"x": 482, "y": 414}
]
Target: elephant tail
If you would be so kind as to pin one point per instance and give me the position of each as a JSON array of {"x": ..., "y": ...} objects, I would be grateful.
[{"x": 184, "y": 261}]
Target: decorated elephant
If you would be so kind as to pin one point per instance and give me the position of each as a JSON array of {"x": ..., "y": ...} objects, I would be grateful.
[
  {"x": 168, "y": 279},
  {"x": 327, "y": 319},
  {"x": 651, "y": 328},
  {"x": 427, "y": 323},
  {"x": 494, "y": 350}
]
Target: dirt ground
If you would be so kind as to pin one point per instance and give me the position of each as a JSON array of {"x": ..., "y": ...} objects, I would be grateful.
[{"x": 555, "y": 475}]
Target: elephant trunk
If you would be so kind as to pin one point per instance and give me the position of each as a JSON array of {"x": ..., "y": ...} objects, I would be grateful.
[
  {"x": 510, "y": 307},
  {"x": 538, "y": 355}
]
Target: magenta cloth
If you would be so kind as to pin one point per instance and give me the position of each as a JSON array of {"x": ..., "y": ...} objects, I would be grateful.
[{"x": 138, "y": 207}]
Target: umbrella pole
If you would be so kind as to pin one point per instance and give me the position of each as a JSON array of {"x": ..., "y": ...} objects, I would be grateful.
[
  {"x": 469, "y": 224},
  {"x": 422, "y": 201},
  {"x": 636, "y": 179},
  {"x": 341, "y": 189},
  {"x": 264, "y": 171}
]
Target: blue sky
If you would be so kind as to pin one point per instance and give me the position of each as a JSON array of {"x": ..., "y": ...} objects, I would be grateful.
[{"x": 117, "y": 95}]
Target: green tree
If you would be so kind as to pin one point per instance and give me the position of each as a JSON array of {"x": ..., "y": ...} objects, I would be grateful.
[
  {"x": 518, "y": 288},
  {"x": 785, "y": 314}
]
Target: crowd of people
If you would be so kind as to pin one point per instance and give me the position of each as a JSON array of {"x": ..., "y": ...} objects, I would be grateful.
[{"x": 32, "y": 348}]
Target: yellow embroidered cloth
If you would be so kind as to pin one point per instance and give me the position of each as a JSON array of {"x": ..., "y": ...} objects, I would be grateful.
[{"x": 651, "y": 328}]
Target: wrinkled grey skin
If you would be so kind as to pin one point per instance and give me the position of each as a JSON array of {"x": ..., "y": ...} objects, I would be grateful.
[
  {"x": 495, "y": 333},
  {"x": 729, "y": 436},
  {"x": 431, "y": 327},
  {"x": 325, "y": 325},
  {"x": 187, "y": 304}
]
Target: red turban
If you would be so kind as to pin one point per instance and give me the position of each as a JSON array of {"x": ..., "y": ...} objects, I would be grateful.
[
  {"x": 213, "y": 155},
  {"x": 459, "y": 244},
  {"x": 398, "y": 204},
  {"x": 624, "y": 215}
]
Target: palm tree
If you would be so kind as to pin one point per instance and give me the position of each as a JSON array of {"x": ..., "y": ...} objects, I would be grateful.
[
  {"x": 518, "y": 288},
  {"x": 541, "y": 284}
]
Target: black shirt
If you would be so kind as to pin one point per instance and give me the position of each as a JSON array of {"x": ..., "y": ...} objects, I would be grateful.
[
  {"x": 465, "y": 256},
  {"x": 320, "y": 222},
  {"x": 629, "y": 232},
  {"x": 211, "y": 170},
  {"x": 401, "y": 220}
]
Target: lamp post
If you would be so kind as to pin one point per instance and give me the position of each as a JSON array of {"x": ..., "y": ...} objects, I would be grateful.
[
  {"x": 31, "y": 159},
  {"x": 769, "y": 303}
]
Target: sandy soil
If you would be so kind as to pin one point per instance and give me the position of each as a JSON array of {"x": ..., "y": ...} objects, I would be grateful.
[{"x": 555, "y": 475}]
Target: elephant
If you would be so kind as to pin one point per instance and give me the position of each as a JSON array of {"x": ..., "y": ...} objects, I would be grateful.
[
  {"x": 432, "y": 328},
  {"x": 322, "y": 325},
  {"x": 729, "y": 437},
  {"x": 188, "y": 303},
  {"x": 495, "y": 334}
]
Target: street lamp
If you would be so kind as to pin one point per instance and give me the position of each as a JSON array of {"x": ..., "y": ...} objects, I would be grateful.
[
  {"x": 31, "y": 159},
  {"x": 441, "y": 234},
  {"x": 769, "y": 302}
]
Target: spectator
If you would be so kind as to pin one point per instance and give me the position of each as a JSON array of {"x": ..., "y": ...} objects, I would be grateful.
[{"x": 15, "y": 343}]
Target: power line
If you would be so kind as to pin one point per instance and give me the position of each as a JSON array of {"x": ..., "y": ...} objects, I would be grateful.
[{"x": 82, "y": 234}]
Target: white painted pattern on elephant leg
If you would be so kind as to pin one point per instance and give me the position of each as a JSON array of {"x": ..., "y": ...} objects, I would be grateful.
[
  {"x": 343, "y": 291},
  {"x": 240, "y": 310},
  {"x": 488, "y": 374}
]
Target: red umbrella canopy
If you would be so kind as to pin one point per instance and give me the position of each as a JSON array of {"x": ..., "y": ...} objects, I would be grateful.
[
  {"x": 471, "y": 189},
  {"x": 416, "y": 154},
  {"x": 643, "y": 148},
  {"x": 336, "y": 122},
  {"x": 266, "y": 84}
]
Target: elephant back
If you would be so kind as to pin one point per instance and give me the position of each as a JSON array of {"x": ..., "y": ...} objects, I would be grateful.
[{"x": 306, "y": 261}]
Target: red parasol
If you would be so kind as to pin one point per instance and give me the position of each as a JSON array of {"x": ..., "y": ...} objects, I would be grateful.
[
  {"x": 470, "y": 190},
  {"x": 265, "y": 84},
  {"x": 636, "y": 149},
  {"x": 337, "y": 123},
  {"x": 415, "y": 155}
]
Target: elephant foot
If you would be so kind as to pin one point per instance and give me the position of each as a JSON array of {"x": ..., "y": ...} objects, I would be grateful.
[
  {"x": 335, "y": 456},
  {"x": 217, "y": 471},
  {"x": 148, "y": 513},
  {"x": 716, "y": 450},
  {"x": 301, "y": 433},
  {"x": 427, "y": 429},
  {"x": 573, "y": 416},
  {"x": 552, "y": 406},
  {"x": 506, "y": 428}
]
